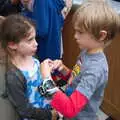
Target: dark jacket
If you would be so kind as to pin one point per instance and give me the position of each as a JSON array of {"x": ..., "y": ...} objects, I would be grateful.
[
  {"x": 6, "y": 7},
  {"x": 15, "y": 88}
]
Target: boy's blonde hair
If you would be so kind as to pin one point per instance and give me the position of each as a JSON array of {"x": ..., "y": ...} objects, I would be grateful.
[{"x": 94, "y": 16}]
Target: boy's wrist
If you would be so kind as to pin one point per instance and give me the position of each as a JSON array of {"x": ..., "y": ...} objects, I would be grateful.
[{"x": 65, "y": 70}]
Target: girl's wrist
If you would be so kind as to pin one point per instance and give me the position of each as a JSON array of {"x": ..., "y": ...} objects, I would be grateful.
[{"x": 47, "y": 77}]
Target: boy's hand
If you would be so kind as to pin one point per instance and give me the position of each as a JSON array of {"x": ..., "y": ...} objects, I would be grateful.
[{"x": 58, "y": 65}]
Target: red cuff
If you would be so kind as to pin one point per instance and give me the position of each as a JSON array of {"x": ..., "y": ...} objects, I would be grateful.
[
  {"x": 69, "y": 106},
  {"x": 61, "y": 76}
]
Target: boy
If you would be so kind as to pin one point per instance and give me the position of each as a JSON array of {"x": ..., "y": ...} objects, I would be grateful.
[{"x": 95, "y": 24}]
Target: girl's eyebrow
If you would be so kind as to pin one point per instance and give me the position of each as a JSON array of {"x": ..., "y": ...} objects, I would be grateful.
[{"x": 31, "y": 38}]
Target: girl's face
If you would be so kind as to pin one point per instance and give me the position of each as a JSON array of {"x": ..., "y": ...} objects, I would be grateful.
[{"x": 28, "y": 45}]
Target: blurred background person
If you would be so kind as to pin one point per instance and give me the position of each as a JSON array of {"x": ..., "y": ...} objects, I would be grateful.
[{"x": 49, "y": 19}]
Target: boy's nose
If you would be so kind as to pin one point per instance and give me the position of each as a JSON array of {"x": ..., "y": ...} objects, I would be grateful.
[{"x": 75, "y": 36}]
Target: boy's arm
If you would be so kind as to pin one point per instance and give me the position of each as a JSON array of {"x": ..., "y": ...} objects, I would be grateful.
[{"x": 69, "y": 106}]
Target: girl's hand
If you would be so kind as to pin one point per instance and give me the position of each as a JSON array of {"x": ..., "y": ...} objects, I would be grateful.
[{"x": 46, "y": 67}]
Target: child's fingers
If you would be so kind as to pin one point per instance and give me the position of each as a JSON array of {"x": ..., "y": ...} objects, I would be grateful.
[{"x": 57, "y": 64}]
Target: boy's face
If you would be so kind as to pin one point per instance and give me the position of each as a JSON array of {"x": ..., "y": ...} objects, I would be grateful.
[
  {"x": 28, "y": 45},
  {"x": 85, "y": 40}
]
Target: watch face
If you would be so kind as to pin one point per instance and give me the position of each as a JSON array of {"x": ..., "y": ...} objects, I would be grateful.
[
  {"x": 41, "y": 90},
  {"x": 46, "y": 85},
  {"x": 49, "y": 84}
]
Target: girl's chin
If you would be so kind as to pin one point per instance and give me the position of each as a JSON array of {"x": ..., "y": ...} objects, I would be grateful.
[{"x": 34, "y": 52}]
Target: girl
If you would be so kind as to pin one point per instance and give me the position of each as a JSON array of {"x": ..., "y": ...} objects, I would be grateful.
[{"x": 23, "y": 74}]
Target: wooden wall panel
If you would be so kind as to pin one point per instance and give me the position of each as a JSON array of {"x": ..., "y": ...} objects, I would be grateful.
[
  {"x": 111, "y": 103},
  {"x": 71, "y": 49}
]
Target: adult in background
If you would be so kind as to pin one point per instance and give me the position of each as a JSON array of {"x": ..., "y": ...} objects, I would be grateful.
[
  {"x": 49, "y": 20},
  {"x": 9, "y": 7}
]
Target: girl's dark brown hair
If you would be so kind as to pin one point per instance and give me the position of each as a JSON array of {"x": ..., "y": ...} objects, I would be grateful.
[
  {"x": 14, "y": 28},
  {"x": 1, "y": 21}
]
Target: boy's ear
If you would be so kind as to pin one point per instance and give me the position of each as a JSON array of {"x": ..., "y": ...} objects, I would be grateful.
[
  {"x": 102, "y": 35},
  {"x": 12, "y": 45}
]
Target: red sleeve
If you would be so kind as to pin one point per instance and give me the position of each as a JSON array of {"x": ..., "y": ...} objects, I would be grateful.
[
  {"x": 59, "y": 75},
  {"x": 69, "y": 106}
]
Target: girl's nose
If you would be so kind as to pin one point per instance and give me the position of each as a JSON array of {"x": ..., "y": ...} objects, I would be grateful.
[{"x": 35, "y": 43}]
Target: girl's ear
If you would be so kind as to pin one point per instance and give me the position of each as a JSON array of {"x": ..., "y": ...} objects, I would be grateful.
[
  {"x": 102, "y": 35},
  {"x": 12, "y": 45}
]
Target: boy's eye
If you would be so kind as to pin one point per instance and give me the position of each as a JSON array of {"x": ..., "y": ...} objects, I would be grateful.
[{"x": 80, "y": 31}]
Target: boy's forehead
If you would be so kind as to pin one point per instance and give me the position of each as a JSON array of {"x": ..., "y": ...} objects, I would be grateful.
[{"x": 77, "y": 27}]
